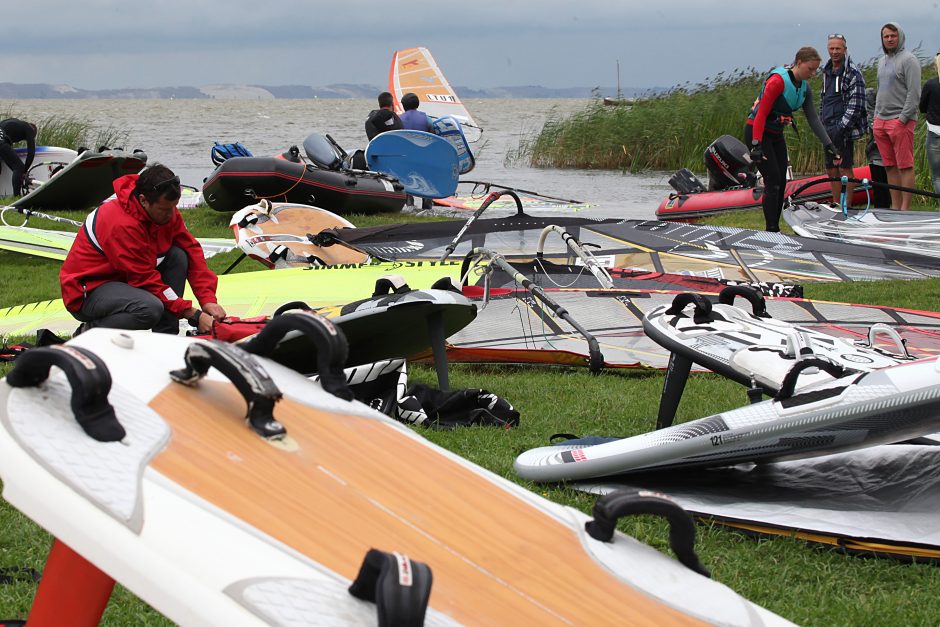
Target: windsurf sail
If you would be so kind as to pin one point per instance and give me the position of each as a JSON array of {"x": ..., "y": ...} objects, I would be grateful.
[
  {"x": 906, "y": 231},
  {"x": 415, "y": 70}
]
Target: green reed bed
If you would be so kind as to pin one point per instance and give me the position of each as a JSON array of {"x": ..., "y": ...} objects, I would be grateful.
[
  {"x": 670, "y": 130},
  {"x": 71, "y": 131},
  {"x": 805, "y": 583}
]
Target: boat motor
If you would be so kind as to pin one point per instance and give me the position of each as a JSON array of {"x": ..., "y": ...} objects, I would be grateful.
[{"x": 729, "y": 164}]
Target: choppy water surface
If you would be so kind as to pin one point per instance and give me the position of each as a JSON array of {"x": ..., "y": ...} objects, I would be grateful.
[{"x": 180, "y": 133}]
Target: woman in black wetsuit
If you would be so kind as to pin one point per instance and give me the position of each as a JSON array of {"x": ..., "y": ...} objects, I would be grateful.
[
  {"x": 784, "y": 91},
  {"x": 11, "y": 132}
]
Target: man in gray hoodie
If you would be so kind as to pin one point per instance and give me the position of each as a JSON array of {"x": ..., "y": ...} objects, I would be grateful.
[{"x": 896, "y": 111}]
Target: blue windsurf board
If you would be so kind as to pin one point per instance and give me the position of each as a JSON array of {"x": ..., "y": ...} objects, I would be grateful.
[{"x": 426, "y": 165}]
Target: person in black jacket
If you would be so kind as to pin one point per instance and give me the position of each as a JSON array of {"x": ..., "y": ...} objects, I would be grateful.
[
  {"x": 13, "y": 131},
  {"x": 384, "y": 118},
  {"x": 930, "y": 107}
]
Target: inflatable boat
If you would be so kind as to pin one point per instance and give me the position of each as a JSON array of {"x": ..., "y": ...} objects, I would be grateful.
[
  {"x": 732, "y": 185},
  {"x": 243, "y": 181}
]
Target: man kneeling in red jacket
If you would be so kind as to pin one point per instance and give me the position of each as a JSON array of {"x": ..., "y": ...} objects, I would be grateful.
[{"x": 132, "y": 257}]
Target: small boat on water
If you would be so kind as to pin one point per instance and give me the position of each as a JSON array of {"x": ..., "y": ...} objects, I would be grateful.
[
  {"x": 732, "y": 185},
  {"x": 618, "y": 102}
]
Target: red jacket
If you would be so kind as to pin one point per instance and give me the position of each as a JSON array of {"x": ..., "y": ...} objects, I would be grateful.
[{"x": 130, "y": 244}]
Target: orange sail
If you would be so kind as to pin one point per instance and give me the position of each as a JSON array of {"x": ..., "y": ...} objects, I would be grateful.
[{"x": 415, "y": 70}]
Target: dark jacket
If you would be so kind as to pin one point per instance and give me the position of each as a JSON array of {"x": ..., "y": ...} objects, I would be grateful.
[
  {"x": 381, "y": 120},
  {"x": 848, "y": 115},
  {"x": 930, "y": 101}
]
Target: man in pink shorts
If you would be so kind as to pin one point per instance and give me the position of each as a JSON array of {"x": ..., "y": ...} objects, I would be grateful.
[{"x": 896, "y": 111}]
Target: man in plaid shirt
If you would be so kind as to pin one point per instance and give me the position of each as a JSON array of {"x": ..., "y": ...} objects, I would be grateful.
[{"x": 842, "y": 109}]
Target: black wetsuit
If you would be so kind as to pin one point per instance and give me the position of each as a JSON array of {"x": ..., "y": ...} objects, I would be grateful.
[
  {"x": 11, "y": 132},
  {"x": 381, "y": 120}
]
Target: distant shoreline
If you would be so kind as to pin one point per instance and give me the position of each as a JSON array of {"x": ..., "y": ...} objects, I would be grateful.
[{"x": 45, "y": 91}]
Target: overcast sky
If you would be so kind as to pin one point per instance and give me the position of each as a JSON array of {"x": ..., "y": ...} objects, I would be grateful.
[{"x": 97, "y": 44}]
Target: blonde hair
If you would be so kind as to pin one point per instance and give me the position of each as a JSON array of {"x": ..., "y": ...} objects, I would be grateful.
[{"x": 806, "y": 54}]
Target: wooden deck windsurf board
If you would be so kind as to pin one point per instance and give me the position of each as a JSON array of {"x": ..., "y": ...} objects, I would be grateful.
[
  {"x": 211, "y": 524},
  {"x": 275, "y": 234}
]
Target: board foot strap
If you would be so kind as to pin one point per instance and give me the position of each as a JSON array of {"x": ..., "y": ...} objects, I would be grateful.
[
  {"x": 399, "y": 587},
  {"x": 89, "y": 379},
  {"x": 610, "y": 508},
  {"x": 328, "y": 339},
  {"x": 248, "y": 377}
]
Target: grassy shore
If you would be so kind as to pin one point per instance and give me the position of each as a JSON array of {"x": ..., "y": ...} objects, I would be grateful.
[
  {"x": 805, "y": 583},
  {"x": 671, "y": 130}
]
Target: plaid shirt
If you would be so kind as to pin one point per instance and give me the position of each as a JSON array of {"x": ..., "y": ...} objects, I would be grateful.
[{"x": 852, "y": 88}]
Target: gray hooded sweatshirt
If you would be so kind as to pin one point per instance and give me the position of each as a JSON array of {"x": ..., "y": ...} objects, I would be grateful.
[{"x": 898, "y": 82}]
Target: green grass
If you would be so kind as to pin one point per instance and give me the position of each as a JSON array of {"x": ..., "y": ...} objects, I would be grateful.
[
  {"x": 669, "y": 131},
  {"x": 806, "y": 583}
]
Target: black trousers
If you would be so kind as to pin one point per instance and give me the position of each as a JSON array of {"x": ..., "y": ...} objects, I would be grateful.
[
  {"x": 118, "y": 305},
  {"x": 12, "y": 160},
  {"x": 774, "y": 170}
]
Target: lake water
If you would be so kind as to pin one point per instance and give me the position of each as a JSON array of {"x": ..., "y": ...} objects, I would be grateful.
[{"x": 180, "y": 133}]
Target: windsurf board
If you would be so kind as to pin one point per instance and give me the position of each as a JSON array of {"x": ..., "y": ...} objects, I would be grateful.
[
  {"x": 425, "y": 164},
  {"x": 384, "y": 327},
  {"x": 862, "y": 410},
  {"x": 449, "y": 128},
  {"x": 275, "y": 234},
  {"x": 86, "y": 181},
  {"x": 303, "y": 511},
  {"x": 47, "y": 160},
  {"x": 53, "y": 244}
]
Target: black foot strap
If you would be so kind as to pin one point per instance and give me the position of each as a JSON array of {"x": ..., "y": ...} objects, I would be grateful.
[
  {"x": 610, "y": 508},
  {"x": 247, "y": 375},
  {"x": 703, "y": 307},
  {"x": 89, "y": 378},
  {"x": 399, "y": 587},
  {"x": 328, "y": 340},
  {"x": 748, "y": 293}
]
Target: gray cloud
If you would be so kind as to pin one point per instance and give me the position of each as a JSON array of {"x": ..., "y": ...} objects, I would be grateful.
[{"x": 107, "y": 43}]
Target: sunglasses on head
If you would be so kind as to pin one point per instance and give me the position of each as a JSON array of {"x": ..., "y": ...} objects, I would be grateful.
[
  {"x": 836, "y": 36},
  {"x": 167, "y": 184}
]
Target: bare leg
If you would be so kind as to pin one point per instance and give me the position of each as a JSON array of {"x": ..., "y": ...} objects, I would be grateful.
[
  {"x": 906, "y": 177},
  {"x": 836, "y": 186},
  {"x": 894, "y": 178}
]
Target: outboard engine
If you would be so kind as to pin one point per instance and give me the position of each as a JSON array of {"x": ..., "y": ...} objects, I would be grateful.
[
  {"x": 684, "y": 182},
  {"x": 727, "y": 160},
  {"x": 324, "y": 152}
]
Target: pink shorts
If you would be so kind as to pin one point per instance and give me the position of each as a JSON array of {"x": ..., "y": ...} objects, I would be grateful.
[{"x": 895, "y": 142}]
